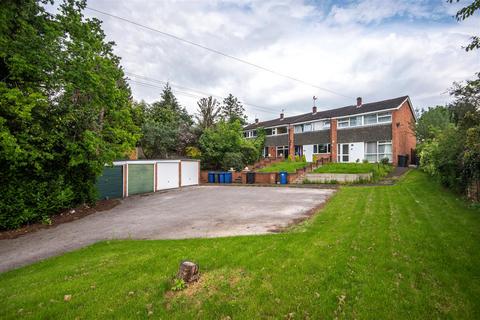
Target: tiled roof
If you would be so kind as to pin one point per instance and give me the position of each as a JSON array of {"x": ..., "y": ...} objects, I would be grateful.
[{"x": 332, "y": 113}]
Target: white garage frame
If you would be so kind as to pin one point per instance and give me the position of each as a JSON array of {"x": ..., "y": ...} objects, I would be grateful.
[{"x": 189, "y": 173}]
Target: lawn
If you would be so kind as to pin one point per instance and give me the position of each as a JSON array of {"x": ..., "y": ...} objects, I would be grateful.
[
  {"x": 379, "y": 170},
  {"x": 287, "y": 165},
  {"x": 411, "y": 250}
]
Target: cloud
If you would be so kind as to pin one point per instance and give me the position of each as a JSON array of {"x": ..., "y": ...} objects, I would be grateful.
[{"x": 371, "y": 48}]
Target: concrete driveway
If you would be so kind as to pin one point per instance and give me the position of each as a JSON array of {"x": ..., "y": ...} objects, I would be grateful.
[{"x": 203, "y": 211}]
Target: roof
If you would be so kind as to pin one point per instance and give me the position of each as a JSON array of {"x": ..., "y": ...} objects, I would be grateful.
[{"x": 333, "y": 113}]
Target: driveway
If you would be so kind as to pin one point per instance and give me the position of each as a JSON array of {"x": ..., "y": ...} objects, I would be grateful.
[{"x": 202, "y": 211}]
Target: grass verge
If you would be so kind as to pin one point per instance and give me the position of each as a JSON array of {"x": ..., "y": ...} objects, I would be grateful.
[
  {"x": 411, "y": 250},
  {"x": 287, "y": 166},
  {"x": 379, "y": 170}
]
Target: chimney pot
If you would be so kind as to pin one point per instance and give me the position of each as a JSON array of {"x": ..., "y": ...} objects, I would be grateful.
[
  {"x": 256, "y": 120},
  {"x": 281, "y": 115},
  {"x": 359, "y": 102},
  {"x": 314, "y": 109}
]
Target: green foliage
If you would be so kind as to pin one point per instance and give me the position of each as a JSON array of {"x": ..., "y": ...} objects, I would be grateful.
[
  {"x": 297, "y": 158},
  {"x": 193, "y": 152},
  {"x": 65, "y": 109},
  {"x": 166, "y": 126},
  {"x": 452, "y": 153},
  {"x": 232, "y": 110},
  {"x": 304, "y": 158},
  {"x": 178, "y": 284},
  {"x": 385, "y": 161},
  {"x": 463, "y": 14},
  {"x": 233, "y": 160},
  {"x": 432, "y": 121},
  {"x": 227, "y": 137}
]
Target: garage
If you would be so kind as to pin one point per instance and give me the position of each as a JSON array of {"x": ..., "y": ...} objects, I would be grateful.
[
  {"x": 140, "y": 178},
  {"x": 190, "y": 171},
  {"x": 110, "y": 183},
  {"x": 168, "y": 174}
]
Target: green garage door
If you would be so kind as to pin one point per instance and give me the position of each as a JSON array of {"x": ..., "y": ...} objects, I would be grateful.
[
  {"x": 110, "y": 183},
  {"x": 140, "y": 178}
]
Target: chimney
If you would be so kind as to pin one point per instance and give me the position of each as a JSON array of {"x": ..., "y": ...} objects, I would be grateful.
[
  {"x": 256, "y": 120},
  {"x": 281, "y": 116},
  {"x": 359, "y": 102},
  {"x": 314, "y": 109}
]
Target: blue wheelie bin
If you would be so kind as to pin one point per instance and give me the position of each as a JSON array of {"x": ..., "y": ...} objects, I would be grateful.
[
  {"x": 228, "y": 177},
  {"x": 283, "y": 177},
  {"x": 221, "y": 177},
  {"x": 211, "y": 177}
]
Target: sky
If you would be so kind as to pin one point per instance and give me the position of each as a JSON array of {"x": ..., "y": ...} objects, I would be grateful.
[{"x": 376, "y": 49}]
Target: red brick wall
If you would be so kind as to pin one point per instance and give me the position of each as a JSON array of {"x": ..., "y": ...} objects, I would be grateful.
[
  {"x": 291, "y": 141},
  {"x": 333, "y": 140},
  {"x": 403, "y": 137}
]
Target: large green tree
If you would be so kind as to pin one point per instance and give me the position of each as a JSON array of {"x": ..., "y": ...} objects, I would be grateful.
[
  {"x": 232, "y": 110},
  {"x": 166, "y": 127},
  {"x": 431, "y": 121},
  {"x": 65, "y": 109}
]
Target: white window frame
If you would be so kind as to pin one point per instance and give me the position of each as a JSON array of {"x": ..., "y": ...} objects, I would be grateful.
[
  {"x": 379, "y": 156},
  {"x": 329, "y": 148}
]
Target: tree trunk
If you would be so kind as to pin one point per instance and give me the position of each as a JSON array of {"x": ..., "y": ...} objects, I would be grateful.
[{"x": 188, "y": 271}]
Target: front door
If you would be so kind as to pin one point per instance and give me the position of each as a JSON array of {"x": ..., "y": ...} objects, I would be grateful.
[
  {"x": 308, "y": 152},
  {"x": 343, "y": 152}
]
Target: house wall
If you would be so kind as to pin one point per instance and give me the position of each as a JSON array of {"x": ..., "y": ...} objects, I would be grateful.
[
  {"x": 365, "y": 134},
  {"x": 333, "y": 140},
  {"x": 291, "y": 141},
  {"x": 403, "y": 137},
  {"x": 313, "y": 137}
]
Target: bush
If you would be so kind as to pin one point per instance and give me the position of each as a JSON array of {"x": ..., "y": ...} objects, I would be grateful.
[
  {"x": 297, "y": 158},
  {"x": 193, "y": 152},
  {"x": 385, "y": 161},
  {"x": 304, "y": 158},
  {"x": 250, "y": 154},
  {"x": 365, "y": 161},
  {"x": 232, "y": 160}
]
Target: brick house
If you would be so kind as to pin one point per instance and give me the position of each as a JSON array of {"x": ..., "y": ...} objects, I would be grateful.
[{"x": 371, "y": 131}]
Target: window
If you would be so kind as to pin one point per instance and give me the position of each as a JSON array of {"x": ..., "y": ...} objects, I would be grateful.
[
  {"x": 269, "y": 132},
  {"x": 298, "y": 129},
  {"x": 282, "y": 151},
  {"x": 370, "y": 118},
  {"x": 384, "y": 117},
  {"x": 343, "y": 123},
  {"x": 378, "y": 150},
  {"x": 355, "y": 121},
  {"x": 321, "y": 148},
  {"x": 326, "y": 124},
  {"x": 282, "y": 130},
  {"x": 307, "y": 127}
]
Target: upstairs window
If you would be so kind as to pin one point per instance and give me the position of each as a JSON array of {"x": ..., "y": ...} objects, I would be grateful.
[
  {"x": 307, "y": 127},
  {"x": 370, "y": 118},
  {"x": 343, "y": 123},
  {"x": 298, "y": 128},
  {"x": 282, "y": 130},
  {"x": 355, "y": 121},
  {"x": 269, "y": 132},
  {"x": 384, "y": 117}
]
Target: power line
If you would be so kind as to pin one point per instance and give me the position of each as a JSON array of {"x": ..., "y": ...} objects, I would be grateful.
[
  {"x": 266, "y": 109},
  {"x": 184, "y": 93},
  {"x": 220, "y": 53}
]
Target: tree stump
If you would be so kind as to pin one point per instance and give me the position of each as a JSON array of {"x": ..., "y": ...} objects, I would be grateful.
[{"x": 188, "y": 272}]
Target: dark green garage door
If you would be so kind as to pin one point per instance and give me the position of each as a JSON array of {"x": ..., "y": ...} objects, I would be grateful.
[
  {"x": 140, "y": 178},
  {"x": 110, "y": 184}
]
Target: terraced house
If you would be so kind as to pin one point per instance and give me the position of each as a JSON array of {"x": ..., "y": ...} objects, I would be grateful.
[{"x": 370, "y": 131}]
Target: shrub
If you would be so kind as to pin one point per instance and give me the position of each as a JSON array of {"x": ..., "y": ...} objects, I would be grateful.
[
  {"x": 232, "y": 160},
  {"x": 385, "y": 161},
  {"x": 193, "y": 152},
  {"x": 249, "y": 153},
  {"x": 365, "y": 161},
  {"x": 297, "y": 158},
  {"x": 304, "y": 158}
]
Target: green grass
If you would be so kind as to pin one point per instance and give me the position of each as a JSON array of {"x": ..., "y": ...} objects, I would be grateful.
[
  {"x": 411, "y": 250},
  {"x": 378, "y": 170},
  {"x": 287, "y": 165}
]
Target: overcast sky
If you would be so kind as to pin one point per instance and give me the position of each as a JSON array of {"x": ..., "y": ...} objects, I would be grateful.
[{"x": 377, "y": 49}]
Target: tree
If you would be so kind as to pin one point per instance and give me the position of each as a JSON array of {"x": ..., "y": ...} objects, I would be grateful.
[
  {"x": 223, "y": 146},
  {"x": 463, "y": 14},
  {"x": 232, "y": 110},
  {"x": 65, "y": 109},
  {"x": 166, "y": 127},
  {"x": 431, "y": 121},
  {"x": 208, "y": 112}
]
